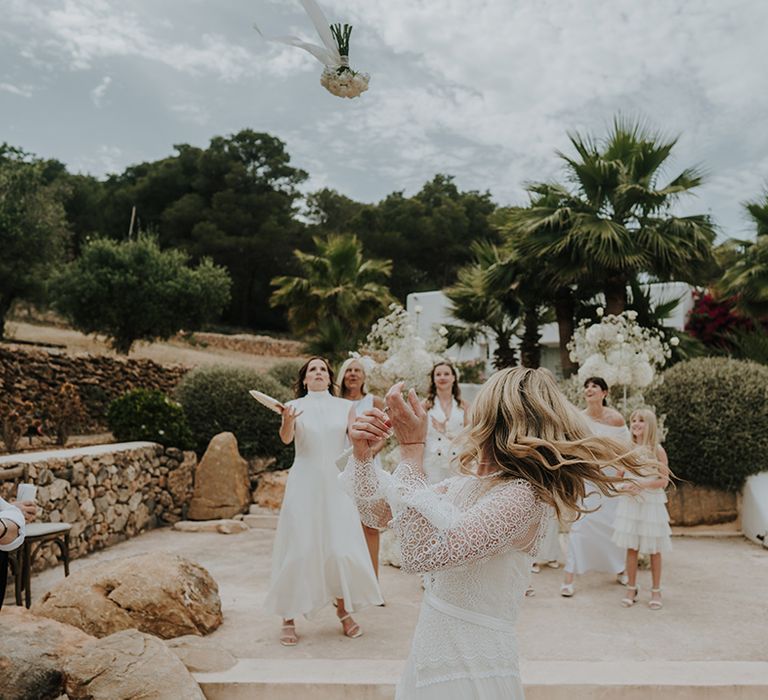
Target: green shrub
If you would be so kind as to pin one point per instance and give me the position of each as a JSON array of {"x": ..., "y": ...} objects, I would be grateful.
[
  {"x": 717, "y": 420},
  {"x": 148, "y": 414},
  {"x": 286, "y": 372},
  {"x": 215, "y": 400}
]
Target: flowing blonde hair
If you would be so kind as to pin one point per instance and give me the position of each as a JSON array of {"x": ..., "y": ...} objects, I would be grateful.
[
  {"x": 523, "y": 423},
  {"x": 341, "y": 389},
  {"x": 651, "y": 433}
]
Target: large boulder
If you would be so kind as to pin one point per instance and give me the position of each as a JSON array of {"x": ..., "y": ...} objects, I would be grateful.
[
  {"x": 159, "y": 593},
  {"x": 32, "y": 654},
  {"x": 222, "y": 485},
  {"x": 271, "y": 489},
  {"x": 201, "y": 655},
  {"x": 128, "y": 665}
]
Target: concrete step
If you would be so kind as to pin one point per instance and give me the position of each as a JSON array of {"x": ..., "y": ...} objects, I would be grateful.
[{"x": 361, "y": 679}]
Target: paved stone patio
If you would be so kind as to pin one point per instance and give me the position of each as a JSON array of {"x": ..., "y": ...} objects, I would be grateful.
[{"x": 714, "y": 593}]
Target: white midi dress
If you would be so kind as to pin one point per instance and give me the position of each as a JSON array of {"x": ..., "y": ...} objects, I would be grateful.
[
  {"x": 319, "y": 553},
  {"x": 472, "y": 539},
  {"x": 441, "y": 456},
  {"x": 642, "y": 520},
  {"x": 590, "y": 543}
]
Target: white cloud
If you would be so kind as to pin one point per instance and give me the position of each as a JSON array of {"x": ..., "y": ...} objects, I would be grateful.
[
  {"x": 21, "y": 91},
  {"x": 97, "y": 94},
  {"x": 191, "y": 112},
  {"x": 486, "y": 91}
]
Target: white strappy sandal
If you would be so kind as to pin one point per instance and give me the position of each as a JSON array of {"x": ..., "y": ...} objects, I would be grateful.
[
  {"x": 628, "y": 602},
  {"x": 655, "y": 604}
]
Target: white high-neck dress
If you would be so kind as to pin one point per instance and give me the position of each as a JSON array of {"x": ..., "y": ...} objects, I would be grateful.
[
  {"x": 472, "y": 538},
  {"x": 441, "y": 457},
  {"x": 590, "y": 544},
  {"x": 319, "y": 552}
]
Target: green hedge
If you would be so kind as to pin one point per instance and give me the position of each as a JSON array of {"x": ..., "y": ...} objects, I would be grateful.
[
  {"x": 148, "y": 414},
  {"x": 215, "y": 400},
  {"x": 716, "y": 415},
  {"x": 286, "y": 372}
]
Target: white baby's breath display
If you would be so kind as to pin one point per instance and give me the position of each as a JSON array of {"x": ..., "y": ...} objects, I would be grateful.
[
  {"x": 400, "y": 354},
  {"x": 619, "y": 350}
]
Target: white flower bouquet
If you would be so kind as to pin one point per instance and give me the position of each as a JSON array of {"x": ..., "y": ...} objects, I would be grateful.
[
  {"x": 337, "y": 77},
  {"x": 341, "y": 80}
]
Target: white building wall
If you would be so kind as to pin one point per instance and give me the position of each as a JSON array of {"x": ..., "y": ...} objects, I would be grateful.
[{"x": 430, "y": 310}]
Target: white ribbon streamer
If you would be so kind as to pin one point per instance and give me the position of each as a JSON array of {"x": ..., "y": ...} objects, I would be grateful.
[{"x": 328, "y": 54}]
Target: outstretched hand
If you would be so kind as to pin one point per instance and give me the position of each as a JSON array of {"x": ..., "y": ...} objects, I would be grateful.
[
  {"x": 409, "y": 419},
  {"x": 368, "y": 432}
]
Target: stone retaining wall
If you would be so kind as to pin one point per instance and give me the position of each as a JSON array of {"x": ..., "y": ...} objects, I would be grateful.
[
  {"x": 253, "y": 344},
  {"x": 108, "y": 493},
  {"x": 36, "y": 375}
]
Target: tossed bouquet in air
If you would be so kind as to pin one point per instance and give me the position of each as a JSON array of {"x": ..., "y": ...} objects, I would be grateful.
[{"x": 337, "y": 76}]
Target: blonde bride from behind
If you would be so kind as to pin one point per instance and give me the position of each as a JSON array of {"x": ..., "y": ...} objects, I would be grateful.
[{"x": 528, "y": 455}]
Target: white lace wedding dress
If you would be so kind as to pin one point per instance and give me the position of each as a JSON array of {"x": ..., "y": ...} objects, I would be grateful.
[{"x": 473, "y": 538}]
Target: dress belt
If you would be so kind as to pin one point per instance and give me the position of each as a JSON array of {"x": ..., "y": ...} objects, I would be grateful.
[{"x": 476, "y": 618}]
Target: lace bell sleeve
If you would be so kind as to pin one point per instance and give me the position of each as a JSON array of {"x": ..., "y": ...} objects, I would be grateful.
[
  {"x": 364, "y": 482},
  {"x": 434, "y": 534}
]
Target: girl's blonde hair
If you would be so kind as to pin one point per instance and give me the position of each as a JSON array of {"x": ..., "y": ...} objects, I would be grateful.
[
  {"x": 651, "y": 434},
  {"x": 340, "y": 388},
  {"x": 523, "y": 423}
]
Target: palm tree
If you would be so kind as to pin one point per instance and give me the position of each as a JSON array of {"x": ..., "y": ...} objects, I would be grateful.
[
  {"x": 482, "y": 309},
  {"x": 746, "y": 277},
  {"x": 560, "y": 282},
  {"x": 616, "y": 220},
  {"x": 337, "y": 287}
]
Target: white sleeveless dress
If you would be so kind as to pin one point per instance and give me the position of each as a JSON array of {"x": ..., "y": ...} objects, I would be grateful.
[
  {"x": 441, "y": 457},
  {"x": 319, "y": 552},
  {"x": 590, "y": 543},
  {"x": 472, "y": 539},
  {"x": 642, "y": 520}
]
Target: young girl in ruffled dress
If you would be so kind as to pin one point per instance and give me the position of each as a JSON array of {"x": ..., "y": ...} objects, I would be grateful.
[{"x": 642, "y": 521}]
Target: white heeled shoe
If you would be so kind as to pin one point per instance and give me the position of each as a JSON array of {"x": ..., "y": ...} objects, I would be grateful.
[
  {"x": 655, "y": 604},
  {"x": 628, "y": 602},
  {"x": 566, "y": 590}
]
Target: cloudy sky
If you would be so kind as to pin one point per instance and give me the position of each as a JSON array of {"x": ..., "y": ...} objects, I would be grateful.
[{"x": 484, "y": 90}]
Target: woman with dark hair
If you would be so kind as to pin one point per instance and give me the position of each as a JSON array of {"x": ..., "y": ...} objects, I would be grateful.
[
  {"x": 590, "y": 544},
  {"x": 319, "y": 553},
  {"x": 447, "y": 414}
]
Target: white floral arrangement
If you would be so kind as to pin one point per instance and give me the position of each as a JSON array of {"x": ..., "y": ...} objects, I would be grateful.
[
  {"x": 400, "y": 354},
  {"x": 341, "y": 80},
  {"x": 337, "y": 77},
  {"x": 619, "y": 350}
]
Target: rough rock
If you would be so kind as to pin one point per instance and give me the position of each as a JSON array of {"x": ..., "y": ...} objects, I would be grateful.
[
  {"x": 128, "y": 664},
  {"x": 271, "y": 489},
  {"x": 181, "y": 480},
  {"x": 225, "y": 527},
  {"x": 201, "y": 655},
  {"x": 222, "y": 486},
  {"x": 32, "y": 654},
  {"x": 159, "y": 593}
]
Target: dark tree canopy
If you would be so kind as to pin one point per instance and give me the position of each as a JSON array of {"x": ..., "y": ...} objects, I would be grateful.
[{"x": 133, "y": 290}]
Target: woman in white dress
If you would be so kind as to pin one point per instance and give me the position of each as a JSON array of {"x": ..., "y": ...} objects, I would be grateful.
[
  {"x": 319, "y": 554},
  {"x": 352, "y": 387},
  {"x": 590, "y": 544},
  {"x": 447, "y": 413},
  {"x": 473, "y": 535}
]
